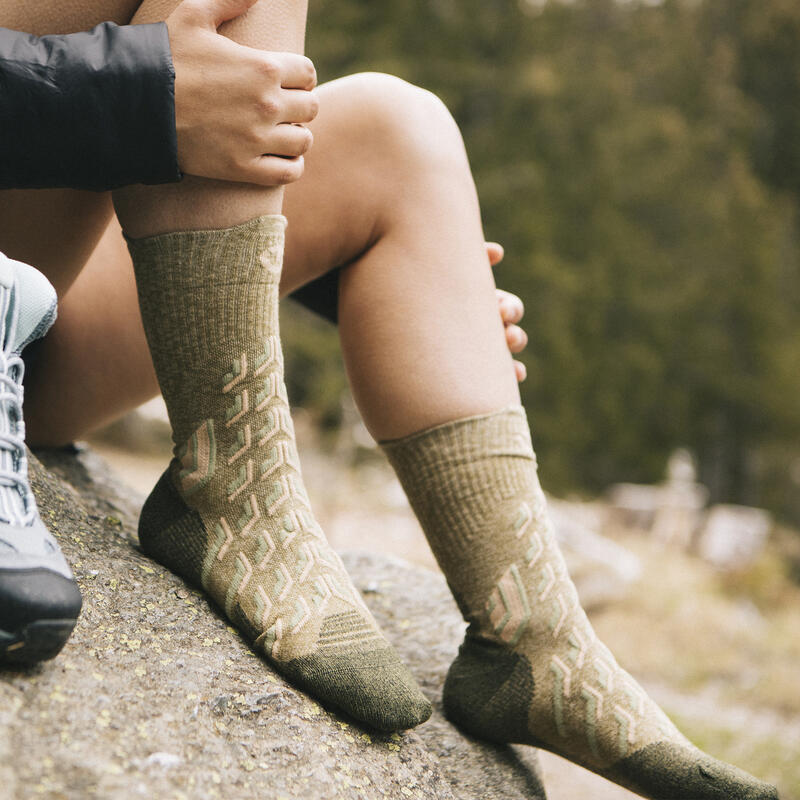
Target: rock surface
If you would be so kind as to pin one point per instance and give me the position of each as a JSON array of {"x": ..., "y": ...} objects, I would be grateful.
[{"x": 155, "y": 696}]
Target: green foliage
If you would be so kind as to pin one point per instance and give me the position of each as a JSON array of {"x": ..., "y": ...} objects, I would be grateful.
[{"x": 641, "y": 164}]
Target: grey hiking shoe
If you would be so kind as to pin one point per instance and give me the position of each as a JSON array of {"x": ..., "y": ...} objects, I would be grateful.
[{"x": 39, "y": 599}]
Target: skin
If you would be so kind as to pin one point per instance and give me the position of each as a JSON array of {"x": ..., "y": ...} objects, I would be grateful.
[
  {"x": 238, "y": 110},
  {"x": 387, "y": 196},
  {"x": 511, "y": 310}
]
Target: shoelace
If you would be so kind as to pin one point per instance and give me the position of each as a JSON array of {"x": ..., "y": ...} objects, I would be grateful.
[{"x": 12, "y": 441}]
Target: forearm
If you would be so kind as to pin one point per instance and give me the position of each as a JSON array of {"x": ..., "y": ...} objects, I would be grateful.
[{"x": 90, "y": 110}]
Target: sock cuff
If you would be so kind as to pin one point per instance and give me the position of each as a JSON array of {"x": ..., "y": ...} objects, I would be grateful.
[
  {"x": 455, "y": 475},
  {"x": 229, "y": 251},
  {"x": 273, "y": 223},
  {"x": 499, "y": 433}
]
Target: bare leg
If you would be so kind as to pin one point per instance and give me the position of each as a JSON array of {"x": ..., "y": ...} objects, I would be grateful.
[
  {"x": 74, "y": 222},
  {"x": 66, "y": 16},
  {"x": 94, "y": 364},
  {"x": 418, "y": 321},
  {"x": 355, "y": 205}
]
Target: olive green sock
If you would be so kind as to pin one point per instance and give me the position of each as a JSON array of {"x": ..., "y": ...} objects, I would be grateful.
[
  {"x": 531, "y": 669},
  {"x": 231, "y": 513}
]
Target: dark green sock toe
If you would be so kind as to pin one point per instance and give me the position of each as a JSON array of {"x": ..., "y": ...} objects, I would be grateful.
[
  {"x": 665, "y": 771},
  {"x": 380, "y": 691}
]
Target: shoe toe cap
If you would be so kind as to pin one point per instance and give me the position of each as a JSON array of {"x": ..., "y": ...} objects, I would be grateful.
[{"x": 32, "y": 595}]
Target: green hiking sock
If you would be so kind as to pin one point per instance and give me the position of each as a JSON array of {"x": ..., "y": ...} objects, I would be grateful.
[
  {"x": 231, "y": 513},
  {"x": 531, "y": 669}
]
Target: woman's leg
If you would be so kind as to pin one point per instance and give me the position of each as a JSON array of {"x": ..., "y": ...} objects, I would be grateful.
[
  {"x": 74, "y": 222},
  {"x": 426, "y": 358},
  {"x": 231, "y": 512},
  {"x": 94, "y": 364},
  {"x": 71, "y": 16},
  {"x": 417, "y": 311}
]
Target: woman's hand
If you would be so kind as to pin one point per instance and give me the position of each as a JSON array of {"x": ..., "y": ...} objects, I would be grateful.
[
  {"x": 511, "y": 312},
  {"x": 238, "y": 110}
]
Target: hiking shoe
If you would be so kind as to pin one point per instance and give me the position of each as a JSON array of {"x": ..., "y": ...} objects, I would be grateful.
[{"x": 39, "y": 599}]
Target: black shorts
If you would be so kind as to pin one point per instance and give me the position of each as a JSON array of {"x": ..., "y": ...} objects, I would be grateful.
[{"x": 321, "y": 295}]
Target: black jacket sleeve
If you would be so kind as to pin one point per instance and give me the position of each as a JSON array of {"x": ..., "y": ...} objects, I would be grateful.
[{"x": 91, "y": 110}]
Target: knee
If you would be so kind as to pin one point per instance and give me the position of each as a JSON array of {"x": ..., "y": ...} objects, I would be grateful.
[{"x": 406, "y": 125}]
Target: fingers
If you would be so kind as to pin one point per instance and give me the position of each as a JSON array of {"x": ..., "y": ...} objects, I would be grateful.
[
  {"x": 511, "y": 307},
  {"x": 288, "y": 141},
  {"x": 511, "y": 312},
  {"x": 495, "y": 252},
  {"x": 295, "y": 71},
  {"x": 516, "y": 338},
  {"x": 298, "y": 106},
  {"x": 288, "y": 95},
  {"x": 273, "y": 170}
]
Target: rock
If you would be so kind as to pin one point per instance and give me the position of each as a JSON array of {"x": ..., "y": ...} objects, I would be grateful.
[
  {"x": 156, "y": 696},
  {"x": 734, "y": 536},
  {"x": 165, "y": 760},
  {"x": 635, "y": 504}
]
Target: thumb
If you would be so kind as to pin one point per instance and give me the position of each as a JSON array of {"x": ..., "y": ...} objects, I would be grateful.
[{"x": 219, "y": 11}]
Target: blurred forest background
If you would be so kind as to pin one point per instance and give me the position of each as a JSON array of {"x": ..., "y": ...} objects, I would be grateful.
[{"x": 640, "y": 162}]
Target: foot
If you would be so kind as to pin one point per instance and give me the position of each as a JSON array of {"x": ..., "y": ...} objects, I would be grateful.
[
  {"x": 39, "y": 599},
  {"x": 531, "y": 670},
  {"x": 279, "y": 581},
  {"x": 510, "y": 695},
  {"x": 231, "y": 513}
]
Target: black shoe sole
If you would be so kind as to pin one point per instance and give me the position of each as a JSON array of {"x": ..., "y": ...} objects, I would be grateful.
[{"x": 37, "y": 641}]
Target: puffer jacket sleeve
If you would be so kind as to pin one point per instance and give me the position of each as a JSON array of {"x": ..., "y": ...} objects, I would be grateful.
[{"x": 92, "y": 110}]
